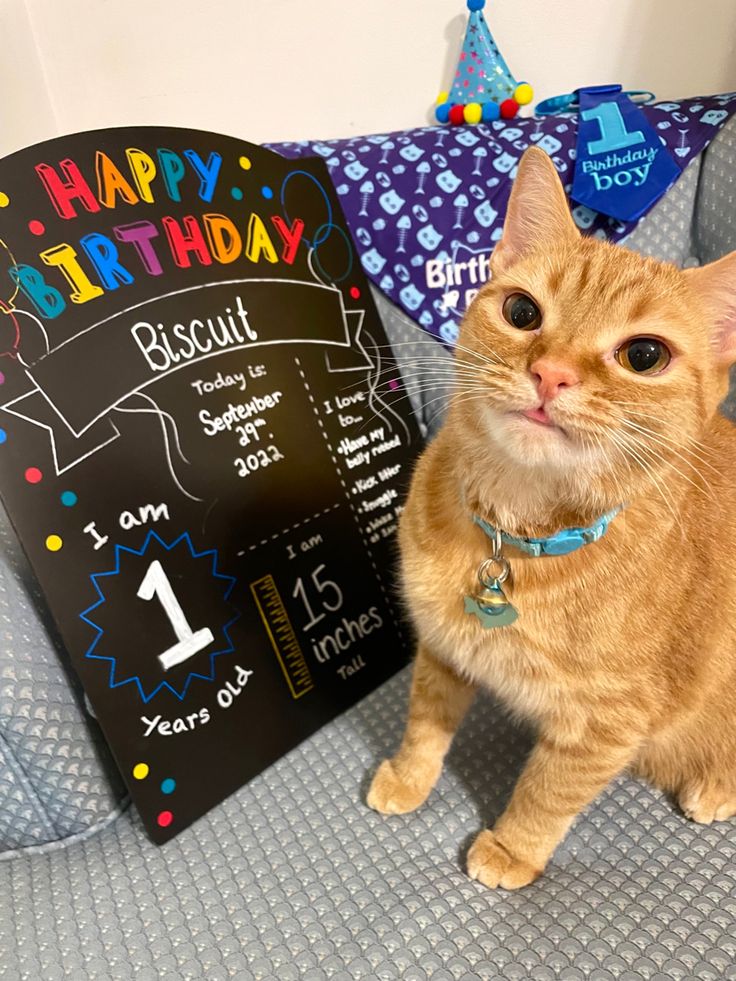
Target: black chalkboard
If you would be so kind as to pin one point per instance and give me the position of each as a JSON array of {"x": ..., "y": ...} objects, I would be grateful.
[{"x": 204, "y": 448}]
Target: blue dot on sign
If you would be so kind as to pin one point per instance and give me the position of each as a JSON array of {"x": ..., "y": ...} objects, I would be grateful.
[
  {"x": 68, "y": 499},
  {"x": 3, "y": 436},
  {"x": 267, "y": 193},
  {"x": 236, "y": 193},
  {"x": 168, "y": 786}
]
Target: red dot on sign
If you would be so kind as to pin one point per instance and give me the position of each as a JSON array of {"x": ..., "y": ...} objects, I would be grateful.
[
  {"x": 164, "y": 819},
  {"x": 36, "y": 227},
  {"x": 355, "y": 292},
  {"x": 33, "y": 475}
]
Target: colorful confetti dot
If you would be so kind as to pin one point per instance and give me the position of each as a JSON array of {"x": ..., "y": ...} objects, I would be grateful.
[
  {"x": 236, "y": 194},
  {"x": 393, "y": 384},
  {"x": 36, "y": 227},
  {"x": 3, "y": 436},
  {"x": 2, "y": 377},
  {"x": 245, "y": 163},
  {"x": 4, "y": 200},
  {"x": 164, "y": 819},
  {"x": 54, "y": 543},
  {"x": 355, "y": 292},
  {"x": 168, "y": 786},
  {"x": 267, "y": 193},
  {"x": 68, "y": 499},
  {"x": 34, "y": 475},
  {"x": 141, "y": 771}
]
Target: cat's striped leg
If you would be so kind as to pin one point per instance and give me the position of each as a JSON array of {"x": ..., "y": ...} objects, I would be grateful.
[
  {"x": 558, "y": 781},
  {"x": 437, "y": 703}
]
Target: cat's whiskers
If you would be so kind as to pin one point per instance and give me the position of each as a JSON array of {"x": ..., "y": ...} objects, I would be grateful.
[
  {"x": 443, "y": 366},
  {"x": 703, "y": 447},
  {"x": 649, "y": 460},
  {"x": 630, "y": 454},
  {"x": 675, "y": 445},
  {"x": 433, "y": 345},
  {"x": 467, "y": 395},
  {"x": 490, "y": 354},
  {"x": 658, "y": 458},
  {"x": 495, "y": 354},
  {"x": 470, "y": 393},
  {"x": 671, "y": 446},
  {"x": 467, "y": 379},
  {"x": 421, "y": 380},
  {"x": 464, "y": 375},
  {"x": 611, "y": 472},
  {"x": 440, "y": 367},
  {"x": 428, "y": 378},
  {"x": 647, "y": 456}
]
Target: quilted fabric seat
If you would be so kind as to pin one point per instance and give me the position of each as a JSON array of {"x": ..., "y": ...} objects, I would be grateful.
[{"x": 293, "y": 877}]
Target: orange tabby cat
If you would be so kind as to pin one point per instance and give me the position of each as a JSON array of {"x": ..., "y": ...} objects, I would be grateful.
[{"x": 588, "y": 378}]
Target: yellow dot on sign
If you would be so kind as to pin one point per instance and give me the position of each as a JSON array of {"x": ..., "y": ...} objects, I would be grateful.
[
  {"x": 54, "y": 543},
  {"x": 245, "y": 163},
  {"x": 4, "y": 200},
  {"x": 140, "y": 771},
  {"x": 524, "y": 94}
]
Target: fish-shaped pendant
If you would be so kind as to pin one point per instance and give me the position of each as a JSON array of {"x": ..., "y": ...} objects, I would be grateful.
[{"x": 491, "y": 607}]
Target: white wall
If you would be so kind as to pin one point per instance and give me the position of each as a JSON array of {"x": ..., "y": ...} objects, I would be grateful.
[
  {"x": 25, "y": 107},
  {"x": 280, "y": 69}
]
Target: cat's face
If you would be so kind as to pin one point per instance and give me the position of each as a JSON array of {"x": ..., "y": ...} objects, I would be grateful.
[
  {"x": 583, "y": 344},
  {"x": 584, "y": 358}
]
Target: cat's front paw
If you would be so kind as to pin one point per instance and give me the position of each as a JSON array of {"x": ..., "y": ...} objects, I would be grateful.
[
  {"x": 708, "y": 802},
  {"x": 492, "y": 865},
  {"x": 389, "y": 794}
]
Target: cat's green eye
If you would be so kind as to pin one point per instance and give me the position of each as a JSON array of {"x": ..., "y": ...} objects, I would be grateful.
[
  {"x": 644, "y": 355},
  {"x": 522, "y": 312}
]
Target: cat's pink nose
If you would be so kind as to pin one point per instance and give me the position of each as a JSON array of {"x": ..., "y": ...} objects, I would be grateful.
[{"x": 551, "y": 377}]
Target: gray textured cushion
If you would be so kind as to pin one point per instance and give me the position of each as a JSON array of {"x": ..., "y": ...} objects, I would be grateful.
[
  {"x": 667, "y": 231},
  {"x": 56, "y": 777},
  {"x": 715, "y": 215},
  {"x": 293, "y": 877}
]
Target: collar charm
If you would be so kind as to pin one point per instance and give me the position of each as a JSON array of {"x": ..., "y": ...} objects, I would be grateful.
[{"x": 490, "y": 604}]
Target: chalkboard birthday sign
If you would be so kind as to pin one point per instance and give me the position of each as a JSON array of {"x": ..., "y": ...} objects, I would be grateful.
[{"x": 203, "y": 448}]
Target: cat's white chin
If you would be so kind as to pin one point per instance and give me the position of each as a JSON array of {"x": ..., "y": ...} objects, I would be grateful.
[{"x": 532, "y": 443}]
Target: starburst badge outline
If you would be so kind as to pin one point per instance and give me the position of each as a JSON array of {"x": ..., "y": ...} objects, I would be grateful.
[{"x": 113, "y": 680}]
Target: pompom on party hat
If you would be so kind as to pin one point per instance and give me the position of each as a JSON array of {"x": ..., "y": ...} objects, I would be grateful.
[{"x": 484, "y": 89}]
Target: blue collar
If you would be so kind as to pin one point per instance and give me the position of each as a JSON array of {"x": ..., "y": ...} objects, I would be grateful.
[{"x": 561, "y": 543}]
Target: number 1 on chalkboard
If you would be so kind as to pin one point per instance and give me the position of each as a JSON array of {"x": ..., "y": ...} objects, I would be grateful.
[{"x": 156, "y": 583}]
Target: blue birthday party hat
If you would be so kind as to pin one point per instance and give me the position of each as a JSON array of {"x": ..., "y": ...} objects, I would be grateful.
[{"x": 483, "y": 88}]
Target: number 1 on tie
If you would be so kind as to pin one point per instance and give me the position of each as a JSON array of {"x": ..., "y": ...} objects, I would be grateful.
[
  {"x": 614, "y": 135},
  {"x": 156, "y": 583}
]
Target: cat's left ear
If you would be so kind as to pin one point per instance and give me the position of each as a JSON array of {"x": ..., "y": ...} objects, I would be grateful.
[
  {"x": 538, "y": 216},
  {"x": 715, "y": 286}
]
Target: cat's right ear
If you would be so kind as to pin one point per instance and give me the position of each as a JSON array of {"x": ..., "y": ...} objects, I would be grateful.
[
  {"x": 538, "y": 213},
  {"x": 715, "y": 285}
]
